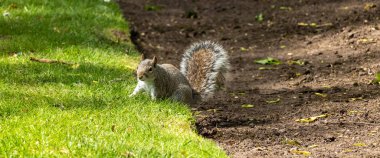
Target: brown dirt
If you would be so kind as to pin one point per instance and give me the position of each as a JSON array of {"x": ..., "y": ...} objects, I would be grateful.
[{"x": 340, "y": 58}]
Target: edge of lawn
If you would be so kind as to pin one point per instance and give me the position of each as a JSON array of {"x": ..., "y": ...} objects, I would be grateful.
[{"x": 82, "y": 108}]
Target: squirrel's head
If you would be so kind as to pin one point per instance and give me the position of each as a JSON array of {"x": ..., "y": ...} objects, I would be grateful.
[{"x": 146, "y": 69}]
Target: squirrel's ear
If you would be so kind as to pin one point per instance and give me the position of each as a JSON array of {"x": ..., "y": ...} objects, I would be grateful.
[
  {"x": 154, "y": 60},
  {"x": 142, "y": 57}
]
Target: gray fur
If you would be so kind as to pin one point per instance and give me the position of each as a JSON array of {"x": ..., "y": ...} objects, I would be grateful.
[
  {"x": 220, "y": 64},
  {"x": 170, "y": 83},
  {"x": 166, "y": 81}
]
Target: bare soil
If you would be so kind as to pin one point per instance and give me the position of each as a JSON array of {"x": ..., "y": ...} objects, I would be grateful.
[{"x": 336, "y": 44}]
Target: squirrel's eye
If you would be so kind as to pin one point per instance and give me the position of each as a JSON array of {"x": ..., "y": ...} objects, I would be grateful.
[{"x": 150, "y": 69}]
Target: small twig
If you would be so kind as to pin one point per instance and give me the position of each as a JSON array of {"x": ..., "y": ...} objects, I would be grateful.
[{"x": 50, "y": 61}]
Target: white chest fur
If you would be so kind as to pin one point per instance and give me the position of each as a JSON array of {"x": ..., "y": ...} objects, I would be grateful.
[
  {"x": 145, "y": 86},
  {"x": 148, "y": 87}
]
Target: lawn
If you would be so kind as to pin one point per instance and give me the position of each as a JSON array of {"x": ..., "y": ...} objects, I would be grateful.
[{"x": 81, "y": 108}]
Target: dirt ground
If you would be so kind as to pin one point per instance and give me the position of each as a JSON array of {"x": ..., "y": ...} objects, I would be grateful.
[{"x": 330, "y": 52}]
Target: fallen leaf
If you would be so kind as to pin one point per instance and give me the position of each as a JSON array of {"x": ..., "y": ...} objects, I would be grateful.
[
  {"x": 273, "y": 101},
  {"x": 321, "y": 94},
  {"x": 292, "y": 142},
  {"x": 363, "y": 40},
  {"x": 313, "y": 146},
  {"x": 313, "y": 24},
  {"x": 366, "y": 40},
  {"x": 300, "y": 152},
  {"x": 266, "y": 68},
  {"x": 282, "y": 46},
  {"x": 328, "y": 87},
  {"x": 369, "y": 6},
  {"x": 377, "y": 78},
  {"x": 311, "y": 119},
  {"x": 260, "y": 17},
  {"x": 360, "y": 144},
  {"x": 302, "y": 24},
  {"x": 296, "y": 62},
  {"x": 347, "y": 150},
  {"x": 247, "y": 106},
  {"x": 268, "y": 61},
  {"x": 355, "y": 99},
  {"x": 243, "y": 49}
]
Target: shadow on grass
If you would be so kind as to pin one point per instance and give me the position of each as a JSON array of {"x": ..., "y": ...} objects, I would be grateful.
[
  {"x": 32, "y": 85},
  {"x": 32, "y": 73},
  {"x": 50, "y": 29}
]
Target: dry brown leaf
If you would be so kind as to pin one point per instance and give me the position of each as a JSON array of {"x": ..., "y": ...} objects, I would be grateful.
[
  {"x": 300, "y": 152},
  {"x": 311, "y": 119}
]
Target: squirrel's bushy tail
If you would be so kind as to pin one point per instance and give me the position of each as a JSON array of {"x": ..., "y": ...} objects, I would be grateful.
[{"x": 204, "y": 65}]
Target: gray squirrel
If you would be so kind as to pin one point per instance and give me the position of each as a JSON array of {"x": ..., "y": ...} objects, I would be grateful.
[{"x": 201, "y": 73}]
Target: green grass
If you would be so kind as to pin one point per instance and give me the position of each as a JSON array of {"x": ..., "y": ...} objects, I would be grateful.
[
  {"x": 377, "y": 78},
  {"x": 57, "y": 110}
]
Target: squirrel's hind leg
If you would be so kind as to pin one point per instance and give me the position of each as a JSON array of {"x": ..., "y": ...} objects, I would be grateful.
[{"x": 183, "y": 94}]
